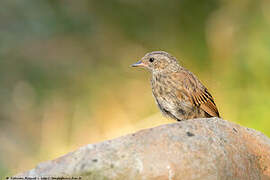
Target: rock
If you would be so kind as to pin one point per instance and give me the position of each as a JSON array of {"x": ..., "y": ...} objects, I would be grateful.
[{"x": 195, "y": 149}]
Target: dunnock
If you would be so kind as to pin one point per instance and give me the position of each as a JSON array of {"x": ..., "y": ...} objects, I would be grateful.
[{"x": 178, "y": 92}]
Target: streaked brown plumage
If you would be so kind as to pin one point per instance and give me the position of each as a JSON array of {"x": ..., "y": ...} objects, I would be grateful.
[{"x": 177, "y": 91}]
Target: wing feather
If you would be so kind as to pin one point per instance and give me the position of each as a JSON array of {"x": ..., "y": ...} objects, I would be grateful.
[{"x": 197, "y": 93}]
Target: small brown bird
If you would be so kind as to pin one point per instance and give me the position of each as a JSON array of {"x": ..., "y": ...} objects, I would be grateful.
[{"x": 178, "y": 92}]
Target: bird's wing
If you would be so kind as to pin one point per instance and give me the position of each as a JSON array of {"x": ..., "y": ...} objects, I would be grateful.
[
  {"x": 205, "y": 101},
  {"x": 197, "y": 93}
]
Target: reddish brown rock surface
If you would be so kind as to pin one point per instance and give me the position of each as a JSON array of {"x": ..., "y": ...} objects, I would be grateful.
[{"x": 188, "y": 150}]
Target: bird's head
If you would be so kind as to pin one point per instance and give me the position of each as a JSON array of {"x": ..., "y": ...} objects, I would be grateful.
[{"x": 157, "y": 61}]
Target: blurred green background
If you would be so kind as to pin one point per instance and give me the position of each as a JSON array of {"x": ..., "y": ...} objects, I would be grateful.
[{"x": 65, "y": 79}]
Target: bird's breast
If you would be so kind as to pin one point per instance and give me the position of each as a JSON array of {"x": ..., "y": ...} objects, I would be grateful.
[{"x": 163, "y": 90}]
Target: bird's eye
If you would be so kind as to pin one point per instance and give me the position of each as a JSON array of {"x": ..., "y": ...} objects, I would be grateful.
[{"x": 151, "y": 59}]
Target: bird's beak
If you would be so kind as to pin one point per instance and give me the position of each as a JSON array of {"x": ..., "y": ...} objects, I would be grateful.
[{"x": 138, "y": 64}]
